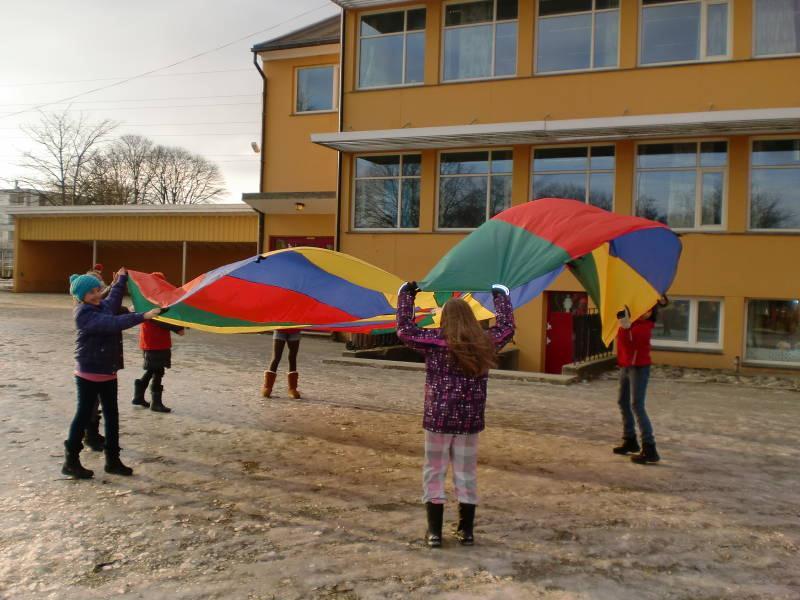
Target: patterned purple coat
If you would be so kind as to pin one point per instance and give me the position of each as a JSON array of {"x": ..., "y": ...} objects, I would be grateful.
[{"x": 454, "y": 402}]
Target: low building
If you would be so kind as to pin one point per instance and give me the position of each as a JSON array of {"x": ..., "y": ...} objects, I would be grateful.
[{"x": 12, "y": 198}]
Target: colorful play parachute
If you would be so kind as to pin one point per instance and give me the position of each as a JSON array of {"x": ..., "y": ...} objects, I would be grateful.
[{"x": 620, "y": 260}]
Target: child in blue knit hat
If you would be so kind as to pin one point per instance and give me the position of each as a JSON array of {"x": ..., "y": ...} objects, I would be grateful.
[{"x": 98, "y": 359}]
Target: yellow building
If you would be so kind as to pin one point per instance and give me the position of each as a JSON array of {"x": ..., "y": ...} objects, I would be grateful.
[{"x": 444, "y": 112}]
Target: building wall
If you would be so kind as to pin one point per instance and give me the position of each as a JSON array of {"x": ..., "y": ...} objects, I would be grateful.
[
  {"x": 302, "y": 225},
  {"x": 46, "y": 266}
]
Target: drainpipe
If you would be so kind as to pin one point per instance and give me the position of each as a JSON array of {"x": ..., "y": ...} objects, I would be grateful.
[
  {"x": 260, "y": 240},
  {"x": 336, "y": 239}
]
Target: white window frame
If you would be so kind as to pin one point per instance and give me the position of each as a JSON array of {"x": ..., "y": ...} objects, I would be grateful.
[
  {"x": 494, "y": 22},
  {"x": 753, "y": 49},
  {"x": 400, "y": 178},
  {"x": 694, "y": 318},
  {"x": 488, "y": 175},
  {"x": 699, "y": 172},
  {"x": 334, "y": 95},
  {"x": 588, "y": 171},
  {"x": 703, "y": 41},
  {"x": 404, "y": 10},
  {"x": 750, "y": 183},
  {"x": 594, "y": 12},
  {"x": 754, "y": 361}
]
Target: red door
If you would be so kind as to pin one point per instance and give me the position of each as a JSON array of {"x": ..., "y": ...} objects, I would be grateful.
[
  {"x": 561, "y": 307},
  {"x": 282, "y": 242}
]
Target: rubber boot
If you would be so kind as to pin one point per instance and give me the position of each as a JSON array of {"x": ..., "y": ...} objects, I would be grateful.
[
  {"x": 629, "y": 445},
  {"x": 92, "y": 437},
  {"x": 466, "y": 521},
  {"x": 269, "y": 383},
  {"x": 293, "y": 391},
  {"x": 435, "y": 513},
  {"x": 72, "y": 464},
  {"x": 114, "y": 464},
  {"x": 139, "y": 389},
  {"x": 647, "y": 455},
  {"x": 155, "y": 395}
]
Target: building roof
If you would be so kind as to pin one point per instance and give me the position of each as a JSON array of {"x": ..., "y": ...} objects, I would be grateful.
[
  {"x": 98, "y": 210},
  {"x": 317, "y": 34}
]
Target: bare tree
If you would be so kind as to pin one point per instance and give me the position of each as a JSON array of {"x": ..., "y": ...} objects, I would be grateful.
[
  {"x": 66, "y": 147},
  {"x": 179, "y": 177}
]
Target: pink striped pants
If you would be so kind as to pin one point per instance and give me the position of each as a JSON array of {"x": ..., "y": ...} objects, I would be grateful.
[{"x": 442, "y": 449}]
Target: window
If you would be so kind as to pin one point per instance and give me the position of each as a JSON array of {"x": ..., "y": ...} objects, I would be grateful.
[
  {"x": 316, "y": 89},
  {"x": 775, "y": 184},
  {"x": 689, "y": 323},
  {"x": 577, "y": 34},
  {"x": 480, "y": 39},
  {"x": 684, "y": 31},
  {"x": 585, "y": 174},
  {"x": 473, "y": 187},
  {"x": 387, "y": 192},
  {"x": 773, "y": 334},
  {"x": 777, "y": 27},
  {"x": 682, "y": 184},
  {"x": 392, "y": 49}
]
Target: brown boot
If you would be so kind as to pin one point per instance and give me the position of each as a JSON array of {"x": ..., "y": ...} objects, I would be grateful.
[
  {"x": 293, "y": 391},
  {"x": 269, "y": 382}
]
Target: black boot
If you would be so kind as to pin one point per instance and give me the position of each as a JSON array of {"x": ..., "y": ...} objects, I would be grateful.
[
  {"x": 435, "y": 512},
  {"x": 466, "y": 521},
  {"x": 114, "y": 464},
  {"x": 139, "y": 388},
  {"x": 629, "y": 445},
  {"x": 155, "y": 395},
  {"x": 647, "y": 455},
  {"x": 72, "y": 464},
  {"x": 92, "y": 437}
]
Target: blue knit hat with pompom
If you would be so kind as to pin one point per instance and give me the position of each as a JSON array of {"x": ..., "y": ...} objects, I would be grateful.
[{"x": 80, "y": 285}]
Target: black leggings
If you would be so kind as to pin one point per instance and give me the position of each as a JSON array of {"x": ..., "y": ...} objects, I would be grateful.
[
  {"x": 88, "y": 394},
  {"x": 155, "y": 374},
  {"x": 277, "y": 354}
]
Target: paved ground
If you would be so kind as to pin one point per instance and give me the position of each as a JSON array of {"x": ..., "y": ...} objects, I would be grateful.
[{"x": 238, "y": 497}]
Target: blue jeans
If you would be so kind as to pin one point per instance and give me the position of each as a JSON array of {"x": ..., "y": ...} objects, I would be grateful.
[
  {"x": 633, "y": 391},
  {"x": 88, "y": 392}
]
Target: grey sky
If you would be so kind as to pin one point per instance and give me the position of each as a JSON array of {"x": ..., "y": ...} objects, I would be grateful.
[{"x": 66, "y": 40}]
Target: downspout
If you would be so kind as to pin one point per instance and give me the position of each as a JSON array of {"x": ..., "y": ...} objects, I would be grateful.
[
  {"x": 336, "y": 239},
  {"x": 261, "y": 219}
]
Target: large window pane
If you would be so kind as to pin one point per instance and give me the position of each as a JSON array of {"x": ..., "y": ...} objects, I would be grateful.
[
  {"x": 559, "y": 159},
  {"x": 560, "y": 185},
  {"x": 502, "y": 161},
  {"x": 708, "y": 322},
  {"x": 712, "y": 198},
  {"x": 462, "y": 202},
  {"x": 468, "y": 52},
  {"x": 717, "y": 30},
  {"x": 772, "y": 331},
  {"x": 501, "y": 194},
  {"x": 775, "y": 199},
  {"x": 315, "y": 89},
  {"x": 469, "y": 13},
  {"x": 653, "y": 156},
  {"x": 382, "y": 23},
  {"x": 464, "y": 163},
  {"x": 415, "y": 57},
  {"x": 776, "y": 152},
  {"x": 409, "y": 217},
  {"x": 412, "y": 165},
  {"x": 601, "y": 190},
  {"x": 376, "y": 203},
  {"x": 602, "y": 157},
  {"x": 713, "y": 154},
  {"x": 505, "y": 53},
  {"x": 377, "y": 166},
  {"x": 777, "y": 28},
  {"x": 565, "y": 43},
  {"x": 606, "y": 36},
  {"x": 671, "y": 33},
  {"x": 672, "y": 322},
  {"x": 381, "y": 61},
  {"x": 667, "y": 197}
]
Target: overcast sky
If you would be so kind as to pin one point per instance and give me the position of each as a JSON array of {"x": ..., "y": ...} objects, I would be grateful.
[{"x": 48, "y": 42}]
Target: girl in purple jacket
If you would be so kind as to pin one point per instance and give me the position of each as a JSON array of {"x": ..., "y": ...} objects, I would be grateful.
[
  {"x": 458, "y": 357},
  {"x": 98, "y": 358}
]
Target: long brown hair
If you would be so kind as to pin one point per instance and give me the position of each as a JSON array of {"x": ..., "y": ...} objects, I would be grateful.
[{"x": 470, "y": 346}]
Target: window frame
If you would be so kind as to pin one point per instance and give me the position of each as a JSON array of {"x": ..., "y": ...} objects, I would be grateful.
[
  {"x": 488, "y": 175},
  {"x": 755, "y": 361},
  {"x": 753, "y": 53},
  {"x": 750, "y": 227},
  {"x": 334, "y": 90},
  {"x": 694, "y": 318},
  {"x": 494, "y": 22},
  {"x": 588, "y": 170},
  {"x": 703, "y": 40},
  {"x": 380, "y": 11},
  {"x": 594, "y": 12},
  {"x": 399, "y": 177},
  {"x": 699, "y": 171}
]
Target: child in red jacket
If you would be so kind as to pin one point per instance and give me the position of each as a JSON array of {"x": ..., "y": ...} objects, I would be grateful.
[
  {"x": 633, "y": 358},
  {"x": 155, "y": 341}
]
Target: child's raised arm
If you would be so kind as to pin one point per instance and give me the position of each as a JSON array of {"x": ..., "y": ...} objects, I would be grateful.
[
  {"x": 503, "y": 329},
  {"x": 412, "y": 336},
  {"x": 114, "y": 298},
  {"x": 96, "y": 322}
]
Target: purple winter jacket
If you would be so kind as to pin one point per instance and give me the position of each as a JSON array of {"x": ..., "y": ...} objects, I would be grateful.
[
  {"x": 97, "y": 346},
  {"x": 454, "y": 402}
]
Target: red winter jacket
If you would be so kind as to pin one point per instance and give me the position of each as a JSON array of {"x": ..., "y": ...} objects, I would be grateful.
[
  {"x": 633, "y": 345},
  {"x": 156, "y": 336}
]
